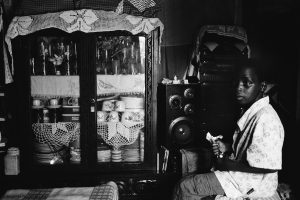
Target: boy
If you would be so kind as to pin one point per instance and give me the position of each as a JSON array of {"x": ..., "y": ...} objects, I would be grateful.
[{"x": 249, "y": 166}]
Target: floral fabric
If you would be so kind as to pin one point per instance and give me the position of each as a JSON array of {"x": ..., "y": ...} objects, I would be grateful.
[{"x": 258, "y": 140}]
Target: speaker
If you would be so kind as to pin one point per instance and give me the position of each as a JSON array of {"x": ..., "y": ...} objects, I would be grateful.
[{"x": 177, "y": 106}]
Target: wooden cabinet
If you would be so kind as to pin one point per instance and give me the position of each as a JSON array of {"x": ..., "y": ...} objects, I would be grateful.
[{"x": 88, "y": 111}]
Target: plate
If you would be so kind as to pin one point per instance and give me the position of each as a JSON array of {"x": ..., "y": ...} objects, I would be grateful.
[
  {"x": 57, "y": 106},
  {"x": 133, "y": 102},
  {"x": 37, "y": 107}
]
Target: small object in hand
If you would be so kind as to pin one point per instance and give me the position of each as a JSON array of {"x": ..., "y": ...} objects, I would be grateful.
[{"x": 212, "y": 140}]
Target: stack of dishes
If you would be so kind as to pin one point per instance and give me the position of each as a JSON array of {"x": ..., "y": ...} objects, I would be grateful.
[
  {"x": 75, "y": 155},
  {"x": 44, "y": 154},
  {"x": 132, "y": 102},
  {"x": 103, "y": 154},
  {"x": 134, "y": 109},
  {"x": 70, "y": 110},
  {"x": 131, "y": 155},
  {"x": 116, "y": 156}
]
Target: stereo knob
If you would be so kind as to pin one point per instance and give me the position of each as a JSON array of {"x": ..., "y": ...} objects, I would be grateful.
[
  {"x": 189, "y": 109},
  {"x": 175, "y": 102},
  {"x": 189, "y": 93}
]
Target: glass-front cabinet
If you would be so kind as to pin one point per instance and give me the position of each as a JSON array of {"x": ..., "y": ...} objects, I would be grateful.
[
  {"x": 85, "y": 91},
  {"x": 54, "y": 98}
]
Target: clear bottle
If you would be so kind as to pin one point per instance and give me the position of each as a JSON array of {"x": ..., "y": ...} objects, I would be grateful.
[
  {"x": 46, "y": 117},
  {"x": 67, "y": 53},
  {"x": 132, "y": 61},
  {"x": 12, "y": 161},
  {"x": 106, "y": 64},
  {"x": 124, "y": 62}
]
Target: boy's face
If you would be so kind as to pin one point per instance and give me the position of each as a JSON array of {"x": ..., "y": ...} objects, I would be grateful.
[{"x": 248, "y": 87}]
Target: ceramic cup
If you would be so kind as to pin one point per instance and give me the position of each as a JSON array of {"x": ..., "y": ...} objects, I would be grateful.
[
  {"x": 120, "y": 106},
  {"x": 127, "y": 116},
  {"x": 53, "y": 102},
  {"x": 138, "y": 115},
  {"x": 133, "y": 115},
  {"x": 101, "y": 116},
  {"x": 113, "y": 116},
  {"x": 72, "y": 101},
  {"x": 36, "y": 102},
  {"x": 108, "y": 105}
]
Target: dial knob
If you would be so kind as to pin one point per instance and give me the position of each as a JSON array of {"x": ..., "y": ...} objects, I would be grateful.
[
  {"x": 189, "y": 109},
  {"x": 189, "y": 93},
  {"x": 175, "y": 102}
]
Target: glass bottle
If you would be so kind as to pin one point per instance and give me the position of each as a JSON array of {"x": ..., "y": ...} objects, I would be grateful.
[
  {"x": 46, "y": 118},
  {"x": 124, "y": 63},
  {"x": 43, "y": 58},
  {"x": 12, "y": 161},
  {"x": 116, "y": 65},
  {"x": 139, "y": 68},
  {"x": 106, "y": 64},
  {"x": 98, "y": 62},
  {"x": 67, "y": 53},
  {"x": 32, "y": 66},
  {"x": 132, "y": 61},
  {"x": 75, "y": 72}
]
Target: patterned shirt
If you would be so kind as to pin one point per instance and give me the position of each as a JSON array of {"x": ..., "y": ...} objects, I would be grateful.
[{"x": 258, "y": 141}]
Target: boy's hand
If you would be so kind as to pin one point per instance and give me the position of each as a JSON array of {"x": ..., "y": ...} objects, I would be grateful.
[
  {"x": 219, "y": 148},
  {"x": 215, "y": 141}
]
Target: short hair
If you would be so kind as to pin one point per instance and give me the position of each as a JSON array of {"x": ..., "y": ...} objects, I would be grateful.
[{"x": 255, "y": 65}]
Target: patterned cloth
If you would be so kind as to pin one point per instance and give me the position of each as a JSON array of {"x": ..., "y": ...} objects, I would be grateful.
[
  {"x": 236, "y": 32},
  {"x": 108, "y": 191},
  {"x": 106, "y": 85},
  {"x": 142, "y": 5},
  {"x": 258, "y": 141},
  {"x": 85, "y": 20},
  {"x": 145, "y": 8}
]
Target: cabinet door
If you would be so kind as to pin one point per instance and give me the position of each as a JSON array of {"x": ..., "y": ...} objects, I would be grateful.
[
  {"x": 47, "y": 73},
  {"x": 123, "y": 74},
  {"x": 120, "y": 78}
]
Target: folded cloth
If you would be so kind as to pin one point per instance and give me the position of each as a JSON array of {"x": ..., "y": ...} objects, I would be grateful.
[{"x": 107, "y": 191}]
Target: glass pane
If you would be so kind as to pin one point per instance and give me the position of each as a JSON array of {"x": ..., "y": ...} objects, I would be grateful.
[
  {"x": 55, "y": 100},
  {"x": 120, "y": 71}
]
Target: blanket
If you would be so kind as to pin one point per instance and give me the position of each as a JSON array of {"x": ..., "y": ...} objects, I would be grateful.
[{"x": 107, "y": 191}]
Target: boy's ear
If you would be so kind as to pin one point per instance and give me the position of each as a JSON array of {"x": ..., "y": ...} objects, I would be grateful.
[{"x": 263, "y": 86}]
